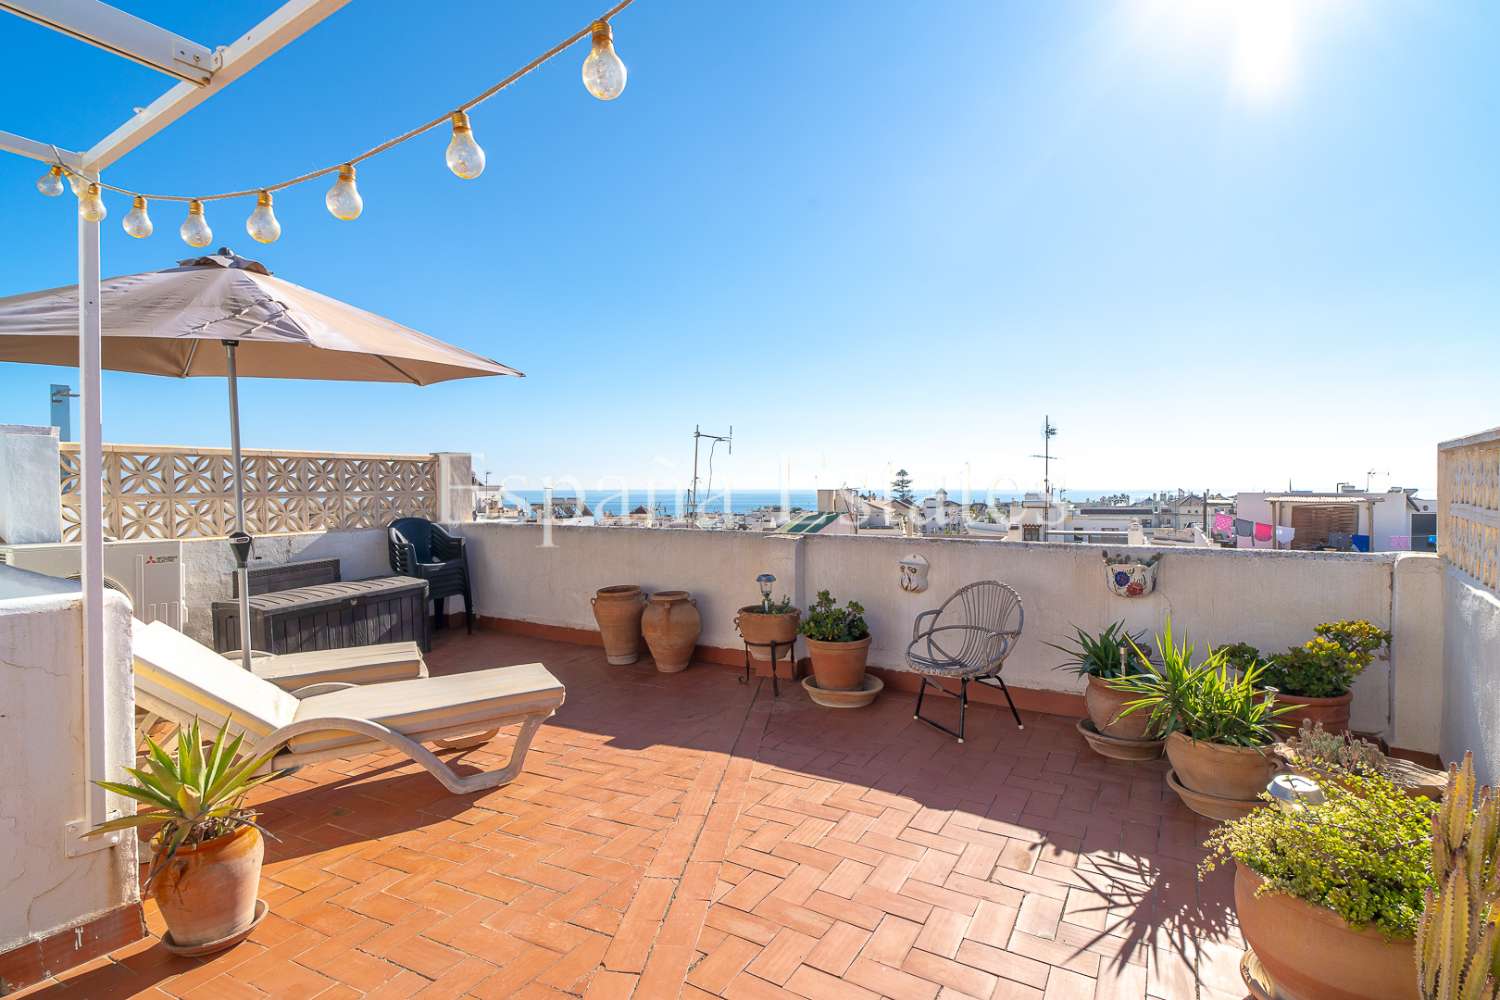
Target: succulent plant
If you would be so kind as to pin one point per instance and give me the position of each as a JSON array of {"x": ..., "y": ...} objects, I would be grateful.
[
  {"x": 1314, "y": 749},
  {"x": 1458, "y": 938}
]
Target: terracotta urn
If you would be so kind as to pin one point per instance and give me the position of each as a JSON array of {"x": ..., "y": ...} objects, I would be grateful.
[
  {"x": 1312, "y": 954},
  {"x": 1229, "y": 778},
  {"x": 207, "y": 893},
  {"x": 839, "y": 666},
  {"x": 671, "y": 625},
  {"x": 759, "y": 629},
  {"x": 1104, "y": 706},
  {"x": 1332, "y": 712},
  {"x": 618, "y": 612}
]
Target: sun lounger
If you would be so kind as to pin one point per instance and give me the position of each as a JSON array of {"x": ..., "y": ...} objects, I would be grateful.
[{"x": 178, "y": 679}]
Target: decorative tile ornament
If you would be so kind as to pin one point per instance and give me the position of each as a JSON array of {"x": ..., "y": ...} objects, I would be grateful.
[{"x": 1129, "y": 575}]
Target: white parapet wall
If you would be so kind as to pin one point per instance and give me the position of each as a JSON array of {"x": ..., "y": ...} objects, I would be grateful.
[
  {"x": 1267, "y": 598},
  {"x": 30, "y": 509},
  {"x": 1471, "y": 655},
  {"x": 46, "y": 888}
]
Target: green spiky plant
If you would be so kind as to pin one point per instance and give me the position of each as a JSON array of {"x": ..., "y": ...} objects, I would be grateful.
[
  {"x": 1209, "y": 702},
  {"x": 1113, "y": 652},
  {"x": 1458, "y": 938},
  {"x": 194, "y": 797}
]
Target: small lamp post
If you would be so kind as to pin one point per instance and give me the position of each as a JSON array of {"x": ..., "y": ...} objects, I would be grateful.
[{"x": 766, "y": 580}]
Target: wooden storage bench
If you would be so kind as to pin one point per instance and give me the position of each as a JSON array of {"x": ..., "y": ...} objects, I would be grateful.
[{"x": 298, "y": 607}]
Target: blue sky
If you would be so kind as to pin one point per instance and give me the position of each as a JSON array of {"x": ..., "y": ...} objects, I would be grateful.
[{"x": 1223, "y": 245}]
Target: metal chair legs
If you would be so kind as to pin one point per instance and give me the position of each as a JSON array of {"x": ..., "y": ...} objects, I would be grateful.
[{"x": 963, "y": 703}]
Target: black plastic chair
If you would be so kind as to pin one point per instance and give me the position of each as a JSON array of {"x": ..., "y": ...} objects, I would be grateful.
[
  {"x": 428, "y": 552},
  {"x": 966, "y": 639}
]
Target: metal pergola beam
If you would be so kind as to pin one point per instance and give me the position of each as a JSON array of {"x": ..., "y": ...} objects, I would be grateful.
[
  {"x": 254, "y": 47},
  {"x": 22, "y": 146},
  {"x": 123, "y": 34}
]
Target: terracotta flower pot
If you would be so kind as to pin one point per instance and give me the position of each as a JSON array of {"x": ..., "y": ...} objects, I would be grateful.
[
  {"x": 755, "y": 626},
  {"x": 1312, "y": 954},
  {"x": 671, "y": 625},
  {"x": 1332, "y": 712},
  {"x": 1104, "y": 705},
  {"x": 618, "y": 612},
  {"x": 839, "y": 666},
  {"x": 207, "y": 893},
  {"x": 1223, "y": 771}
]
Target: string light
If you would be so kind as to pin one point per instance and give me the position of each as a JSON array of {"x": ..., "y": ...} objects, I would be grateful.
[
  {"x": 262, "y": 225},
  {"x": 465, "y": 158},
  {"x": 195, "y": 231},
  {"x": 91, "y": 206},
  {"x": 136, "y": 222},
  {"x": 50, "y": 183},
  {"x": 603, "y": 72},
  {"x": 603, "y": 75},
  {"x": 343, "y": 198}
]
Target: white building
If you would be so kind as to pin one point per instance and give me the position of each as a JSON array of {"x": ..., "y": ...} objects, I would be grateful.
[{"x": 1390, "y": 520}]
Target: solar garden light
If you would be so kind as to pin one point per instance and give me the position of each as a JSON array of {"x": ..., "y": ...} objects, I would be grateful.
[
  {"x": 1294, "y": 793},
  {"x": 766, "y": 580}
]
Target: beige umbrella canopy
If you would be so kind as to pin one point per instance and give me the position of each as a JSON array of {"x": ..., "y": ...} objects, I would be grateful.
[
  {"x": 227, "y": 316},
  {"x": 156, "y": 323}
]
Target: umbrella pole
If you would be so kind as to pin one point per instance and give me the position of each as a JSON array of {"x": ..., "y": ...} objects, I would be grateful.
[{"x": 241, "y": 554}]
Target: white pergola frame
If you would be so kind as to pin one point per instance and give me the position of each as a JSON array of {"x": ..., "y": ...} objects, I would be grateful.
[{"x": 202, "y": 73}]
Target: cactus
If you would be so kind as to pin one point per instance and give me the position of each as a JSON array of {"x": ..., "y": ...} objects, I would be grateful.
[{"x": 1458, "y": 938}]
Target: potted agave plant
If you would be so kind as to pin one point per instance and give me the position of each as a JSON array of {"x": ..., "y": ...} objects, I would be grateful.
[
  {"x": 838, "y": 642},
  {"x": 1328, "y": 894},
  {"x": 1219, "y": 726},
  {"x": 207, "y": 850},
  {"x": 1101, "y": 657},
  {"x": 1316, "y": 679}
]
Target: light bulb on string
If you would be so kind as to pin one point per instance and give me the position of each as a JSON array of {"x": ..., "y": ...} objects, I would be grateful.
[
  {"x": 262, "y": 225},
  {"x": 91, "y": 206},
  {"x": 136, "y": 222},
  {"x": 465, "y": 158},
  {"x": 78, "y": 182},
  {"x": 195, "y": 231},
  {"x": 603, "y": 71},
  {"x": 343, "y": 198},
  {"x": 50, "y": 183}
]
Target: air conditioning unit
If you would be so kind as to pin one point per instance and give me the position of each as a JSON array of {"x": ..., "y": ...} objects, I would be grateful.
[{"x": 148, "y": 572}]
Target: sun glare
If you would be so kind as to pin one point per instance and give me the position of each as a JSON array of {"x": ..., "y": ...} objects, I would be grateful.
[
  {"x": 1267, "y": 37},
  {"x": 1260, "y": 44}
]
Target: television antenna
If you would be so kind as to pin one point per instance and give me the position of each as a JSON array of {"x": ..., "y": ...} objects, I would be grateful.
[
  {"x": 692, "y": 511},
  {"x": 1049, "y": 431}
]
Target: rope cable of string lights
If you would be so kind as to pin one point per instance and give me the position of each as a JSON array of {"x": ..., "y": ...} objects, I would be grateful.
[{"x": 604, "y": 76}]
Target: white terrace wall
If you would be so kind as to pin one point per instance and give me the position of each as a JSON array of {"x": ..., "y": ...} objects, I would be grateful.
[
  {"x": 1469, "y": 543},
  {"x": 44, "y": 781},
  {"x": 1268, "y": 598}
]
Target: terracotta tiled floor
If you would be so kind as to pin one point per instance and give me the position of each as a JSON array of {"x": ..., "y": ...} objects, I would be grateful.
[{"x": 687, "y": 836}]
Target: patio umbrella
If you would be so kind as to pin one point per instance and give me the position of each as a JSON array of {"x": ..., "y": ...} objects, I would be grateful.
[{"x": 223, "y": 315}]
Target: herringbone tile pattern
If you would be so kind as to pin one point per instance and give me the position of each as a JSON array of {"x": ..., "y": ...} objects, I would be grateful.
[{"x": 685, "y": 836}]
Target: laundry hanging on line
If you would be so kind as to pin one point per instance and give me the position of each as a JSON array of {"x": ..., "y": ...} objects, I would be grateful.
[{"x": 1263, "y": 532}]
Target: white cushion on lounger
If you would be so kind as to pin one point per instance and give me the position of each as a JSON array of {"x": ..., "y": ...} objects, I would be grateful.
[
  {"x": 432, "y": 705},
  {"x": 174, "y": 669},
  {"x": 391, "y": 661}
]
